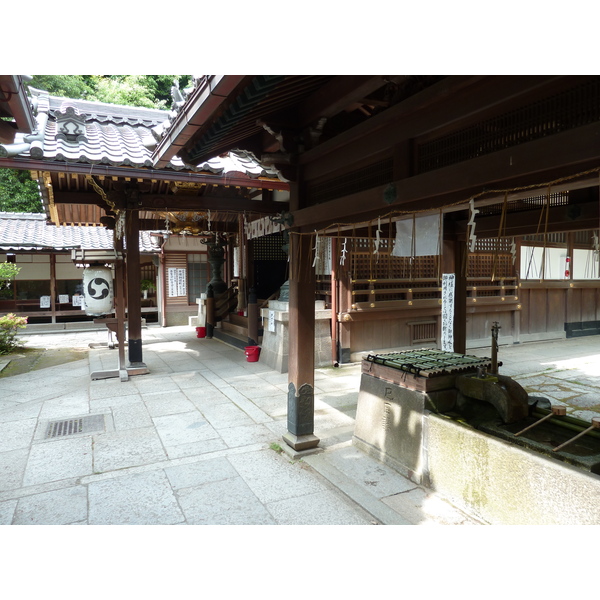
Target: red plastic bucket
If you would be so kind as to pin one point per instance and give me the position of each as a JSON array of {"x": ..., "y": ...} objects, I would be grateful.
[
  {"x": 252, "y": 353},
  {"x": 200, "y": 332}
]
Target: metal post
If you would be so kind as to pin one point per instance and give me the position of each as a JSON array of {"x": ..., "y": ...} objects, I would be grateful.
[
  {"x": 210, "y": 311},
  {"x": 495, "y": 328}
]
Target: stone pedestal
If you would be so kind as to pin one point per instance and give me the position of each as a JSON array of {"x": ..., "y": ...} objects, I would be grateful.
[{"x": 275, "y": 342}]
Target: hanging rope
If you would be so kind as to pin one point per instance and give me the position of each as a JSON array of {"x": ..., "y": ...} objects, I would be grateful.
[
  {"x": 543, "y": 273},
  {"x": 501, "y": 235},
  {"x": 493, "y": 192}
]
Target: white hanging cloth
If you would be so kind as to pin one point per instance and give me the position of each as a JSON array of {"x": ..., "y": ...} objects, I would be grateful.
[{"x": 427, "y": 235}]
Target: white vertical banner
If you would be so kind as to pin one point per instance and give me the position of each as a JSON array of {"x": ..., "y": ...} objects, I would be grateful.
[
  {"x": 181, "y": 282},
  {"x": 172, "y": 277},
  {"x": 448, "y": 281}
]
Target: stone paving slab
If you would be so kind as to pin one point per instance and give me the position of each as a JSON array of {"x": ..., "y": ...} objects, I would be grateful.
[
  {"x": 198, "y": 473},
  {"x": 320, "y": 508},
  {"x": 58, "y": 459},
  {"x": 244, "y": 435},
  {"x": 12, "y": 468},
  {"x": 60, "y": 507},
  {"x": 126, "y": 448},
  {"x": 209, "y": 447},
  {"x": 424, "y": 508},
  {"x": 16, "y": 434},
  {"x": 69, "y": 405},
  {"x": 226, "y": 502},
  {"x": 131, "y": 416},
  {"x": 138, "y": 499},
  {"x": 374, "y": 477},
  {"x": 159, "y": 404},
  {"x": 184, "y": 428},
  {"x": 7, "y": 511},
  {"x": 226, "y": 415},
  {"x": 246, "y": 404},
  {"x": 273, "y": 477},
  {"x": 206, "y": 398}
]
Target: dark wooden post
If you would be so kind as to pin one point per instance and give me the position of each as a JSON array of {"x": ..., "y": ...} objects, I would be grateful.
[
  {"x": 120, "y": 301},
  {"x": 134, "y": 305},
  {"x": 210, "y": 311},
  {"x": 252, "y": 318},
  {"x": 301, "y": 396},
  {"x": 53, "y": 287}
]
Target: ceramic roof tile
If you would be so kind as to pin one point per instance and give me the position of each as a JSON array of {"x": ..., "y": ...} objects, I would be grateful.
[{"x": 22, "y": 231}]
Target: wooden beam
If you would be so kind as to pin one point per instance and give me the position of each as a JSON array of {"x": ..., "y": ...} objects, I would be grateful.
[
  {"x": 140, "y": 172},
  {"x": 572, "y": 217},
  {"x": 533, "y": 163},
  {"x": 337, "y": 95},
  {"x": 178, "y": 202}
]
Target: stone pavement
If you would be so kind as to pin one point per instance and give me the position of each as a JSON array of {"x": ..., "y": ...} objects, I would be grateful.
[{"x": 196, "y": 441}]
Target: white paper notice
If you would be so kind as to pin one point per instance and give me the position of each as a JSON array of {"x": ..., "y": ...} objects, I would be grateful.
[
  {"x": 172, "y": 282},
  {"x": 448, "y": 280}
]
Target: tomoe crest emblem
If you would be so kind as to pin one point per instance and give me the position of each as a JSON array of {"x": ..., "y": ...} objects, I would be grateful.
[{"x": 98, "y": 288}]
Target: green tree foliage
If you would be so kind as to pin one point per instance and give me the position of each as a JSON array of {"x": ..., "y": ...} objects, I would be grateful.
[
  {"x": 18, "y": 192},
  {"x": 9, "y": 324},
  {"x": 147, "y": 91},
  {"x": 8, "y": 271},
  {"x": 67, "y": 86}
]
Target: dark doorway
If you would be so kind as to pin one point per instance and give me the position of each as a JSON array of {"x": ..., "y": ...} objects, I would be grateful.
[{"x": 270, "y": 264}]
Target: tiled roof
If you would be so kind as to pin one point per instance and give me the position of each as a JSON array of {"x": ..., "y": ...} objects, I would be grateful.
[
  {"x": 29, "y": 231},
  {"x": 79, "y": 131}
]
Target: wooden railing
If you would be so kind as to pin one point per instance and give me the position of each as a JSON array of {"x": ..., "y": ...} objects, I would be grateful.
[
  {"x": 393, "y": 293},
  {"x": 226, "y": 303}
]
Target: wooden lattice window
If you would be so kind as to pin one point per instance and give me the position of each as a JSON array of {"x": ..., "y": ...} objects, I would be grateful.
[{"x": 572, "y": 108}]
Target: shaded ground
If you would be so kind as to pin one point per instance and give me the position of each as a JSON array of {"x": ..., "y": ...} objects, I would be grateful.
[{"x": 25, "y": 360}]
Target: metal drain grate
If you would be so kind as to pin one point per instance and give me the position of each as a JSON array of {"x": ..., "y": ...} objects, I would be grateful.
[{"x": 90, "y": 424}]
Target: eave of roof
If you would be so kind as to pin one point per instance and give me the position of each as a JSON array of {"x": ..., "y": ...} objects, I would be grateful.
[
  {"x": 30, "y": 231},
  {"x": 206, "y": 126},
  {"x": 204, "y": 101}
]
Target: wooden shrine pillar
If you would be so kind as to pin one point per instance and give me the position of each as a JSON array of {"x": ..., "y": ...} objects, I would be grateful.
[
  {"x": 134, "y": 305},
  {"x": 120, "y": 303},
  {"x": 454, "y": 260},
  {"x": 53, "y": 291},
  {"x": 301, "y": 362}
]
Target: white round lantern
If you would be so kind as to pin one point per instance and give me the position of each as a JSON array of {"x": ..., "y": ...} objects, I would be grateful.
[{"x": 98, "y": 291}]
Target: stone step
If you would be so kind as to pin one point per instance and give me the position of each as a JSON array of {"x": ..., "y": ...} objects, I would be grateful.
[
  {"x": 236, "y": 319},
  {"x": 232, "y": 328},
  {"x": 233, "y": 339}
]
